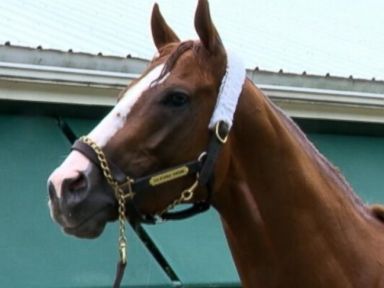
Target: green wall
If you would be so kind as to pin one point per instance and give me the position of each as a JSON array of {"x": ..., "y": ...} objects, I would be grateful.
[
  {"x": 360, "y": 159},
  {"x": 35, "y": 253}
]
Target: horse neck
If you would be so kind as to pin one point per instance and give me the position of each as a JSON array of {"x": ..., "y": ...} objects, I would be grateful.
[{"x": 282, "y": 200}]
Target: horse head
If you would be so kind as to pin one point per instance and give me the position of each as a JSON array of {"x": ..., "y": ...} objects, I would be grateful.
[{"x": 161, "y": 120}]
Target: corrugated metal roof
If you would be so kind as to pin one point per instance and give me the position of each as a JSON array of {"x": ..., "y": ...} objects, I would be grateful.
[{"x": 341, "y": 37}]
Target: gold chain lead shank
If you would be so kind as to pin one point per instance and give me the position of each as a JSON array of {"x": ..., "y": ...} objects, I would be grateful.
[
  {"x": 119, "y": 194},
  {"x": 185, "y": 196}
]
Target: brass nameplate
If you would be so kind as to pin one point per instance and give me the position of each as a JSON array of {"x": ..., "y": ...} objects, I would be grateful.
[{"x": 168, "y": 176}]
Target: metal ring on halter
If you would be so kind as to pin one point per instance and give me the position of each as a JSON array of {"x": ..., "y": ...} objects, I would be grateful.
[
  {"x": 188, "y": 193},
  {"x": 222, "y": 139},
  {"x": 201, "y": 157}
]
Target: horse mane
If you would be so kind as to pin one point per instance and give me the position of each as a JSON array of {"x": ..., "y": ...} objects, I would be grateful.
[{"x": 332, "y": 171}]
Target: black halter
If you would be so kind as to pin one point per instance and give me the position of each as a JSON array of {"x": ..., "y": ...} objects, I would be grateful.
[{"x": 203, "y": 167}]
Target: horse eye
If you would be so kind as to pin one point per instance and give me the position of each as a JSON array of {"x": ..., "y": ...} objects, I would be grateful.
[{"x": 176, "y": 99}]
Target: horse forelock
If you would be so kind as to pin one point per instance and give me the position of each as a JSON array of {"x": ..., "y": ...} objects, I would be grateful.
[
  {"x": 173, "y": 57},
  {"x": 168, "y": 64}
]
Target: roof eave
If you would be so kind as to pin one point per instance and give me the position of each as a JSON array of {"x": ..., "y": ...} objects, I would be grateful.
[{"x": 50, "y": 84}]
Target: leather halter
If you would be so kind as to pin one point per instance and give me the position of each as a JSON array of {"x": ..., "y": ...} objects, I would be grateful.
[
  {"x": 125, "y": 187},
  {"x": 202, "y": 168}
]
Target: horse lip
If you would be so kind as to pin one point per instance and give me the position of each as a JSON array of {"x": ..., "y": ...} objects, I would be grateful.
[
  {"x": 84, "y": 233},
  {"x": 84, "y": 221},
  {"x": 81, "y": 230}
]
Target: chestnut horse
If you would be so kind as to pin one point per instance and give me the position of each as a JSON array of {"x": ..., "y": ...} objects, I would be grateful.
[{"x": 290, "y": 218}]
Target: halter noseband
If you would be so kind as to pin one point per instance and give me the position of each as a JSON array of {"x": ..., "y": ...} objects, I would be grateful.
[{"x": 126, "y": 187}]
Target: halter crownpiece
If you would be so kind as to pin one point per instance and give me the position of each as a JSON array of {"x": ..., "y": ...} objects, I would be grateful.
[{"x": 229, "y": 92}]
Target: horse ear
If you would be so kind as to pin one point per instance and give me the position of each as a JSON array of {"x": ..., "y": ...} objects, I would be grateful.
[
  {"x": 205, "y": 28},
  {"x": 162, "y": 34}
]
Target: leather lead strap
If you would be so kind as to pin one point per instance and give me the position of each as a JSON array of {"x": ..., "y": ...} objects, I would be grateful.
[
  {"x": 188, "y": 212},
  {"x": 119, "y": 274}
]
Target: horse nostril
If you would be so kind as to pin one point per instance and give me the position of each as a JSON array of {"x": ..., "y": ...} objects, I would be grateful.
[
  {"x": 78, "y": 184},
  {"x": 52, "y": 192},
  {"x": 75, "y": 189}
]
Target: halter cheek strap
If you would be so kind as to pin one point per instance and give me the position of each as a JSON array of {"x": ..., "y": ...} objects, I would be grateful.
[{"x": 222, "y": 117}]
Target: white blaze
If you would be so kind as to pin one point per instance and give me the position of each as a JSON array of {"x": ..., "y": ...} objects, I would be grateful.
[
  {"x": 69, "y": 169},
  {"x": 114, "y": 121},
  {"x": 104, "y": 131}
]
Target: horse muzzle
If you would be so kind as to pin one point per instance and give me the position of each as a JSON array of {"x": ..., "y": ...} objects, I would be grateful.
[{"x": 79, "y": 201}]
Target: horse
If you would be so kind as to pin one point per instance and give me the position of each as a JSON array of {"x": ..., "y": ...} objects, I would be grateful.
[{"x": 193, "y": 129}]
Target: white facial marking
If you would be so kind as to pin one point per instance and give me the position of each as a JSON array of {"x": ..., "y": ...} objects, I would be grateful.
[
  {"x": 70, "y": 168},
  {"x": 115, "y": 120},
  {"x": 105, "y": 130}
]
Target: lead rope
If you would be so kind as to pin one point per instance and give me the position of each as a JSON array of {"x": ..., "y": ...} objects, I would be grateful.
[
  {"x": 122, "y": 238},
  {"x": 121, "y": 197}
]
